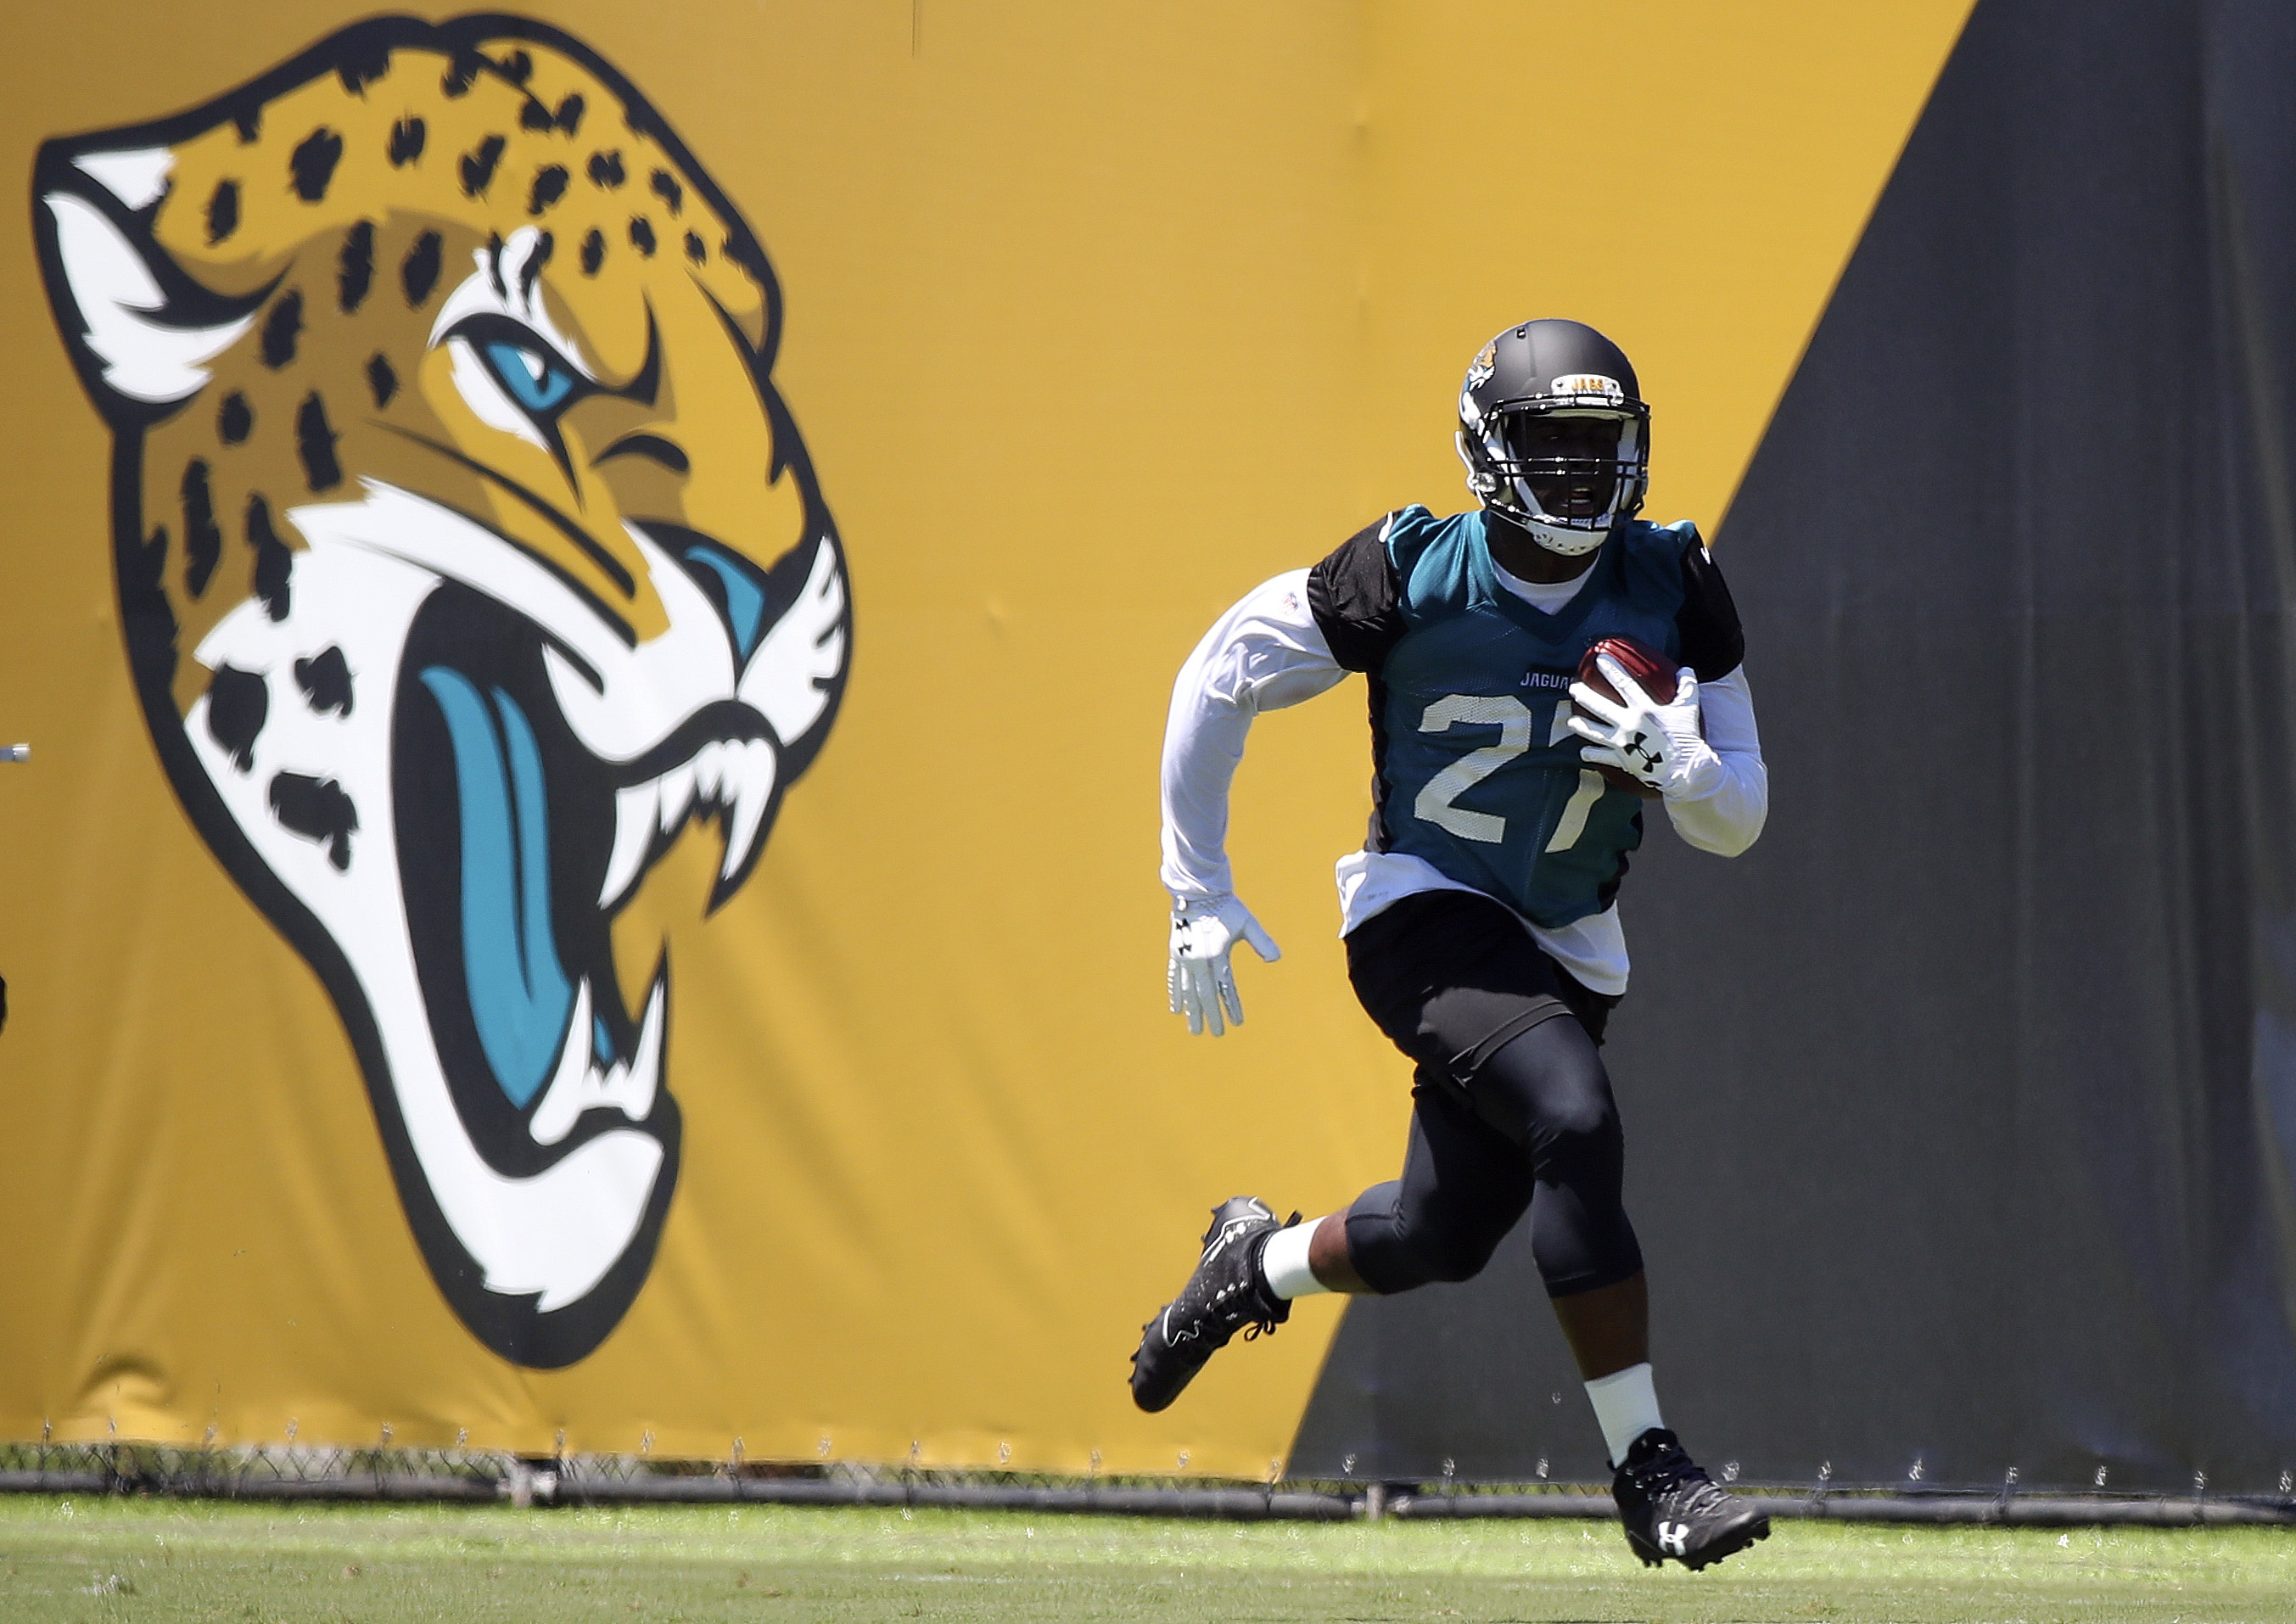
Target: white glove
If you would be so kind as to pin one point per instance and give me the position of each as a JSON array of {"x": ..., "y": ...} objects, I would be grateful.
[
  {"x": 1662, "y": 746},
  {"x": 1200, "y": 979}
]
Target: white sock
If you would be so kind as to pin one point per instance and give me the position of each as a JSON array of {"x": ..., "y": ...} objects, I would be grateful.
[
  {"x": 1284, "y": 1261},
  {"x": 1626, "y": 1407}
]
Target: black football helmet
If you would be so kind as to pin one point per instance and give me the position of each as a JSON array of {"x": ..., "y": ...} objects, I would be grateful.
[{"x": 1553, "y": 433}]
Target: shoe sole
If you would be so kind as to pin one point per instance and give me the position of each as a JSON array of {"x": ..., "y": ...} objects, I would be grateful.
[{"x": 1724, "y": 1545}]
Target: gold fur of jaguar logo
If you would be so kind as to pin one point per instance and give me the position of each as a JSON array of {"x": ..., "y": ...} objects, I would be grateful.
[{"x": 467, "y": 560}]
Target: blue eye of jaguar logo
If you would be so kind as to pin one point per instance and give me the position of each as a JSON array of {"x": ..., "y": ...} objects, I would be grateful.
[
  {"x": 525, "y": 366},
  {"x": 530, "y": 374}
]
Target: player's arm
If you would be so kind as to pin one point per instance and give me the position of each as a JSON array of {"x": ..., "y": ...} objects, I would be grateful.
[
  {"x": 1286, "y": 641},
  {"x": 1265, "y": 653},
  {"x": 1732, "y": 798},
  {"x": 1729, "y": 816},
  {"x": 1700, "y": 750}
]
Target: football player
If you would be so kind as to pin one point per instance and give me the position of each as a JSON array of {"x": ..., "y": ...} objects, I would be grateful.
[{"x": 1480, "y": 918}]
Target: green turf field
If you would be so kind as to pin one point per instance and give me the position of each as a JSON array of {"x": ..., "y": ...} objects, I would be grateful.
[{"x": 87, "y": 1559}]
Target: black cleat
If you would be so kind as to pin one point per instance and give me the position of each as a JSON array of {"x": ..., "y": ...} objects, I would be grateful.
[
  {"x": 1671, "y": 1508},
  {"x": 1227, "y": 1293}
]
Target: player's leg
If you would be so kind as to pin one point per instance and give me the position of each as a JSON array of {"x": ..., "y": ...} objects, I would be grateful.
[
  {"x": 1250, "y": 1267},
  {"x": 1548, "y": 1088},
  {"x": 1536, "y": 1124},
  {"x": 1463, "y": 1186},
  {"x": 1511, "y": 1100},
  {"x": 1458, "y": 984},
  {"x": 1512, "y": 1108}
]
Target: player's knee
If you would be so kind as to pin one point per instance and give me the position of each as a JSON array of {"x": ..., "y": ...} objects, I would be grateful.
[
  {"x": 1547, "y": 1087},
  {"x": 1456, "y": 1255},
  {"x": 1396, "y": 1245},
  {"x": 1449, "y": 1246},
  {"x": 1578, "y": 1134},
  {"x": 1587, "y": 1117}
]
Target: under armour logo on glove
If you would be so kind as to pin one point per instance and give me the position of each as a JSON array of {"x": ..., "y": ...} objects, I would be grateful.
[
  {"x": 1661, "y": 746},
  {"x": 1199, "y": 978}
]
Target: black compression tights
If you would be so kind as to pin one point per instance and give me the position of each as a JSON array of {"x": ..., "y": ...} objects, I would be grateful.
[{"x": 1512, "y": 1109}]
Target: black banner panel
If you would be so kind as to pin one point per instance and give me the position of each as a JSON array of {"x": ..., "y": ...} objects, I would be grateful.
[{"x": 1961, "y": 1111}]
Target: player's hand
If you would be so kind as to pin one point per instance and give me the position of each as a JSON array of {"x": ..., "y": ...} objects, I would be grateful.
[
  {"x": 1662, "y": 746},
  {"x": 1200, "y": 979}
]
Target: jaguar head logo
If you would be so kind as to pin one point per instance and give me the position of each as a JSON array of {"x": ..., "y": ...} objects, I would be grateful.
[{"x": 468, "y": 561}]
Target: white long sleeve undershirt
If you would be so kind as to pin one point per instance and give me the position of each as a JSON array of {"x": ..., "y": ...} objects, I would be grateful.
[{"x": 1266, "y": 653}]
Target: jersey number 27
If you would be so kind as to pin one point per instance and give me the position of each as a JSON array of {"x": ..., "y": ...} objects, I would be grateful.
[{"x": 1436, "y": 801}]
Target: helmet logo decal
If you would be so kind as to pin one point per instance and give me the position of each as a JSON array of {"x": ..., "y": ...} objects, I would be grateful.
[
  {"x": 468, "y": 563},
  {"x": 1587, "y": 383}
]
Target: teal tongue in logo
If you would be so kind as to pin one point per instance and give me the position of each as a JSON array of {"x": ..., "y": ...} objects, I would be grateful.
[{"x": 519, "y": 998}]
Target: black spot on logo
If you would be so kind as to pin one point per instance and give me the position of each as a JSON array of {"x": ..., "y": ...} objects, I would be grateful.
[
  {"x": 248, "y": 120},
  {"x": 642, "y": 235},
  {"x": 203, "y": 539},
  {"x": 463, "y": 72},
  {"x": 570, "y": 113},
  {"x": 545, "y": 245},
  {"x": 664, "y": 185},
  {"x": 518, "y": 67},
  {"x": 236, "y": 419},
  {"x": 357, "y": 266},
  {"x": 317, "y": 810},
  {"x": 745, "y": 253},
  {"x": 315, "y": 443},
  {"x": 420, "y": 272},
  {"x": 494, "y": 264},
  {"x": 549, "y": 186},
  {"x": 325, "y": 679},
  {"x": 593, "y": 253},
  {"x": 313, "y": 163},
  {"x": 479, "y": 164},
  {"x": 606, "y": 170},
  {"x": 238, "y": 701},
  {"x": 281, "y": 328},
  {"x": 273, "y": 562},
  {"x": 535, "y": 115},
  {"x": 222, "y": 211},
  {"x": 382, "y": 379},
  {"x": 694, "y": 251},
  {"x": 407, "y": 138}
]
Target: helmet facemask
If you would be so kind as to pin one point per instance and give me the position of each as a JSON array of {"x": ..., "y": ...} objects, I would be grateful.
[{"x": 1565, "y": 473}]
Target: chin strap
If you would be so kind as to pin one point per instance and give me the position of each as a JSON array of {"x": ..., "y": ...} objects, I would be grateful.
[{"x": 1562, "y": 543}]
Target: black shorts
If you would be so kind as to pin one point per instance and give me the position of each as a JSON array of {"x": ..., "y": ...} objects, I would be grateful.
[
  {"x": 1511, "y": 1108},
  {"x": 1458, "y": 973}
]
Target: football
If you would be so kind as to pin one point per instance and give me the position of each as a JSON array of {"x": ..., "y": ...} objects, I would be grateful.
[{"x": 1651, "y": 671}]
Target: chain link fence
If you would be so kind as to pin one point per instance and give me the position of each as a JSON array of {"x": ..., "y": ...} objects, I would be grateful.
[{"x": 295, "y": 1472}]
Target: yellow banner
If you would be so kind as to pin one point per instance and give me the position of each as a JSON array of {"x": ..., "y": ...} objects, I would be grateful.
[{"x": 594, "y": 600}]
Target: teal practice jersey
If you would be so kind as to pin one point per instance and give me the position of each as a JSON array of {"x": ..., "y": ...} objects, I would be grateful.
[{"x": 1475, "y": 769}]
